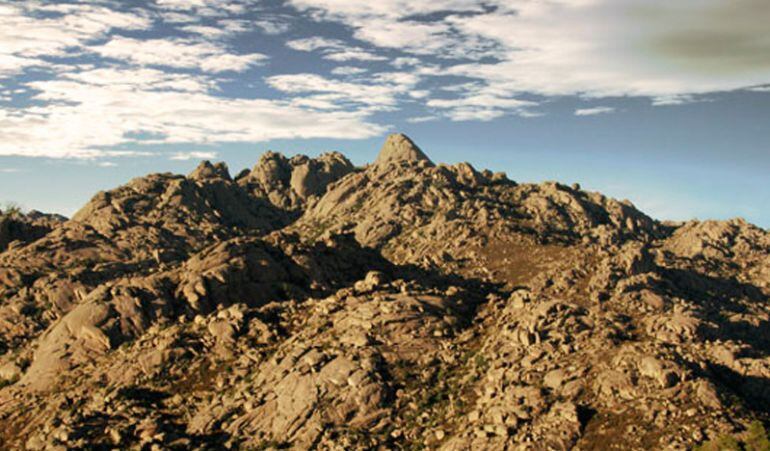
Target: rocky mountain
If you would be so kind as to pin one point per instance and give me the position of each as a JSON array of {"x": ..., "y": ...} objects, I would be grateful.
[{"x": 311, "y": 304}]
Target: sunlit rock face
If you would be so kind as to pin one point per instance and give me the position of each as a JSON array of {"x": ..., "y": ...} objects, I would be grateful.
[{"x": 310, "y": 304}]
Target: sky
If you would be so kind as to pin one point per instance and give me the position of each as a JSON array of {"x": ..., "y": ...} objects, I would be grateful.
[{"x": 664, "y": 103}]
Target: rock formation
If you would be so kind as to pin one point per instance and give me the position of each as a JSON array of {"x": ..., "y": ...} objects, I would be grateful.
[
  {"x": 400, "y": 148},
  {"x": 310, "y": 304},
  {"x": 289, "y": 183},
  {"x": 23, "y": 228}
]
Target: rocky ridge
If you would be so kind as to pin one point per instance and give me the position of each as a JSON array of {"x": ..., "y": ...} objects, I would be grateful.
[
  {"x": 17, "y": 228},
  {"x": 310, "y": 304}
]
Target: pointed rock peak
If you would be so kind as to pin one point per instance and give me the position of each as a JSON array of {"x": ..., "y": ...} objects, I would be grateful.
[
  {"x": 398, "y": 147},
  {"x": 206, "y": 170}
]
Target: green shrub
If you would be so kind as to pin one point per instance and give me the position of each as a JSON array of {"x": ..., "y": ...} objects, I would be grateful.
[
  {"x": 11, "y": 210},
  {"x": 755, "y": 438}
]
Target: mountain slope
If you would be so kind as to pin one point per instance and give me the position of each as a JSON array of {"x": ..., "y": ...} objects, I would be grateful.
[{"x": 315, "y": 305}]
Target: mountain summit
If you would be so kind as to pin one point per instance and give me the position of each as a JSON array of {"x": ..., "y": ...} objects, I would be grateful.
[
  {"x": 399, "y": 147},
  {"x": 311, "y": 304}
]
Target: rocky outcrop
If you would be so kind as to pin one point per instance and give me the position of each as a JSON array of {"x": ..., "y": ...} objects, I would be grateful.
[
  {"x": 290, "y": 183},
  {"x": 179, "y": 213},
  {"x": 400, "y": 148},
  {"x": 414, "y": 209},
  {"x": 308, "y": 304},
  {"x": 25, "y": 228}
]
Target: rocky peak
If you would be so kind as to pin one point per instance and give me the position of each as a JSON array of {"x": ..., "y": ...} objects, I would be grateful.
[
  {"x": 399, "y": 147},
  {"x": 206, "y": 170},
  {"x": 290, "y": 182}
]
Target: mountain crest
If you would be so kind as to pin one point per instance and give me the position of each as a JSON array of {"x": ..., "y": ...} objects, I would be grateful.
[
  {"x": 207, "y": 170},
  {"x": 399, "y": 147},
  {"x": 402, "y": 305}
]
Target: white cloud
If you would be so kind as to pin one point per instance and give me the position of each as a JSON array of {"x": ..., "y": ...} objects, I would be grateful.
[
  {"x": 227, "y": 28},
  {"x": 394, "y": 9},
  {"x": 206, "y": 31},
  {"x": 672, "y": 99},
  {"x": 418, "y": 37},
  {"x": 25, "y": 40},
  {"x": 600, "y": 48},
  {"x": 9, "y": 170},
  {"x": 179, "y": 53},
  {"x": 348, "y": 70},
  {"x": 314, "y": 43},
  {"x": 82, "y": 115},
  {"x": 419, "y": 94},
  {"x": 421, "y": 119},
  {"x": 194, "y": 155},
  {"x": 143, "y": 78},
  {"x": 333, "y": 49},
  {"x": 391, "y": 24},
  {"x": 272, "y": 26},
  {"x": 205, "y": 8},
  {"x": 353, "y": 55},
  {"x": 379, "y": 92},
  {"x": 107, "y": 164},
  {"x": 480, "y": 61},
  {"x": 481, "y": 103},
  {"x": 668, "y": 51},
  {"x": 126, "y": 153},
  {"x": 174, "y": 17},
  {"x": 184, "y": 4},
  {"x": 594, "y": 111},
  {"x": 404, "y": 61},
  {"x": 130, "y": 92}
]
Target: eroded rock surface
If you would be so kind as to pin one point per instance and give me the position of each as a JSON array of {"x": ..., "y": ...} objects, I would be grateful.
[
  {"x": 290, "y": 183},
  {"x": 310, "y": 304}
]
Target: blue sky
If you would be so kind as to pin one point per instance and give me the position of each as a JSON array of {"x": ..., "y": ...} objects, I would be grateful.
[{"x": 664, "y": 103}]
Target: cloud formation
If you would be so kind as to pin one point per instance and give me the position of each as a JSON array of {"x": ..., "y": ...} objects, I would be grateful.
[
  {"x": 101, "y": 86},
  {"x": 667, "y": 51},
  {"x": 194, "y": 155},
  {"x": 594, "y": 111},
  {"x": 85, "y": 115},
  {"x": 379, "y": 92},
  {"x": 27, "y": 37},
  {"x": 602, "y": 48},
  {"x": 179, "y": 53},
  {"x": 334, "y": 49},
  {"x": 89, "y": 79}
]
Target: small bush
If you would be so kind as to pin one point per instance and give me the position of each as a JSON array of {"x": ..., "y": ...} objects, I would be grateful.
[
  {"x": 11, "y": 210},
  {"x": 755, "y": 438}
]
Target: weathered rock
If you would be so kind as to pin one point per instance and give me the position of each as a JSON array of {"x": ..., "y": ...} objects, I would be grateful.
[
  {"x": 290, "y": 183},
  {"x": 399, "y": 148},
  {"x": 311, "y": 304},
  {"x": 10, "y": 372}
]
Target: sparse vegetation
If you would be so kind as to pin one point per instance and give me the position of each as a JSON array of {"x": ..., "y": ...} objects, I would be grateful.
[
  {"x": 755, "y": 438},
  {"x": 11, "y": 210}
]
